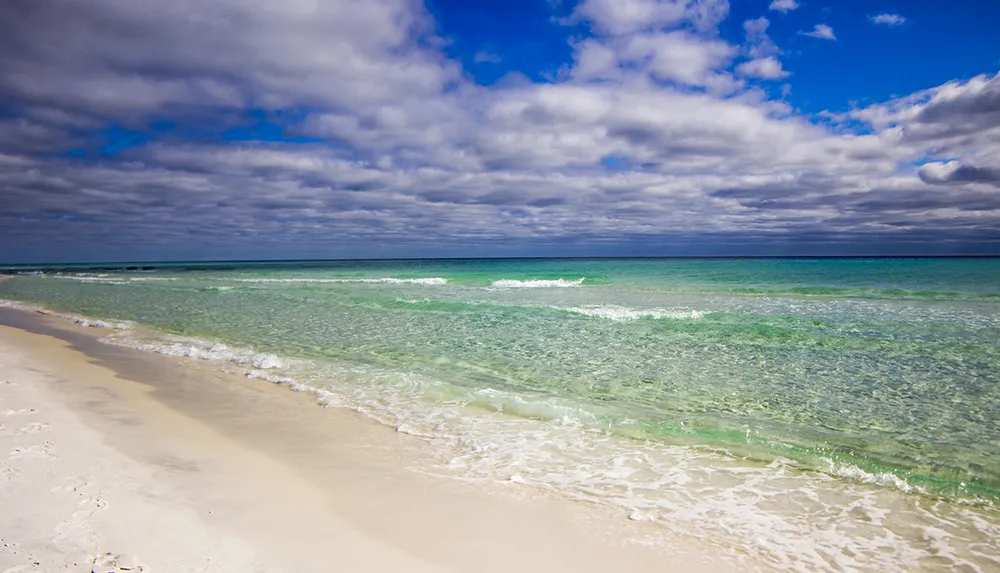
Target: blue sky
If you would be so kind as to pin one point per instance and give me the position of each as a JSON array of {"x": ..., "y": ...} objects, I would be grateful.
[
  {"x": 867, "y": 64},
  {"x": 397, "y": 128}
]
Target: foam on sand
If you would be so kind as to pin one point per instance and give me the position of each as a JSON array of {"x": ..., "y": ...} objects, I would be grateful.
[
  {"x": 81, "y": 320},
  {"x": 140, "y": 485},
  {"x": 189, "y": 347}
]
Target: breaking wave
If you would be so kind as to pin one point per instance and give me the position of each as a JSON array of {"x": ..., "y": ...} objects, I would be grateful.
[
  {"x": 621, "y": 313},
  {"x": 537, "y": 283}
]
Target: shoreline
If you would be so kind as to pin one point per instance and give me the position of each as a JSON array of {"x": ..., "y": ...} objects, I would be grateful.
[{"x": 270, "y": 481}]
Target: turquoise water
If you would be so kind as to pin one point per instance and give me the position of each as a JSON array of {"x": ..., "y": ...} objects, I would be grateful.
[{"x": 764, "y": 396}]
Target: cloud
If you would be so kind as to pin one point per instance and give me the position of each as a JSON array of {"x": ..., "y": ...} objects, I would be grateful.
[
  {"x": 619, "y": 17},
  {"x": 956, "y": 117},
  {"x": 957, "y": 123},
  {"x": 759, "y": 44},
  {"x": 953, "y": 173},
  {"x": 677, "y": 56},
  {"x": 821, "y": 31},
  {"x": 484, "y": 56},
  {"x": 639, "y": 38},
  {"x": 113, "y": 56},
  {"x": 888, "y": 19},
  {"x": 765, "y": 68},
  {"x": 386, "y": 147},
  {"x": 783, "y": 5}
]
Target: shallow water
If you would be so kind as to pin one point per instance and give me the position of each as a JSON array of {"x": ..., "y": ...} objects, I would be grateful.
[{"x": 822, "y": 414}]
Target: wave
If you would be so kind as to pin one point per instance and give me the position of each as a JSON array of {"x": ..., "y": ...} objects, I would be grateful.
[
  {"x": 81, "y": 320},
  {"x": 190, "y": 347},
  {"x": 861, "y": 292},
  {"x": 537, "y": 283},
  {"x": 621, "y": 313},
  {"x": 608, "y": 312},
  {"x": 100, "y": 279},
  {"x": 106, "y": 279},
  {"x": 429, "y": 281}
]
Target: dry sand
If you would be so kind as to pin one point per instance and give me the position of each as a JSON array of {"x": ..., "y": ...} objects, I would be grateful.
[{"x": 115, "y": 460}]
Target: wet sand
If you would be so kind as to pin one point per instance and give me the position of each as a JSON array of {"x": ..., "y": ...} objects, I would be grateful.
[{"x": 112, "y": 459}]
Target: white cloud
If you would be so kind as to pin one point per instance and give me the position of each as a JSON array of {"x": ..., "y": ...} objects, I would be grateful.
[
  {"x": 678, "y": 56},
  {"x": 759, "y": 44},
  {"x": 639, "y": 45},
  {"x": 783, "y": 5},
  {"x": 486, "y": 57},
  {"x": 619, "y": 17},
  {"x": 821, "y": 31},
  {"x": 957, "y": 120},
  {"x": 888, "y": 19},
  {"x": 765, "y": 68}
]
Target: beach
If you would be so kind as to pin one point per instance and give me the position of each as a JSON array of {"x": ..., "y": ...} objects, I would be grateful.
[
  {"x": 753, "y": 414},
  {"x": 169, "y": 465}
]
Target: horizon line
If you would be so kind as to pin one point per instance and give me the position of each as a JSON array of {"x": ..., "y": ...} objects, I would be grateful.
[{"x": 95, "y": 264}]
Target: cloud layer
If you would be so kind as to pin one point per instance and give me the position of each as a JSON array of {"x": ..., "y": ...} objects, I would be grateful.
[{"x": 341, "y": 128}]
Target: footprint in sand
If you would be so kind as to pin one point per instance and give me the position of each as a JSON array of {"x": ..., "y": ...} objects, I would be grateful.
[
  {"x": 39, "y": 451},
  {"x": 33, "y": 428},
  {"x": 72, "y": 485},
  {"x": 112, "y": 563},
  {"x": 21, "y": 412},
  {"x": 89, "y": 507}
]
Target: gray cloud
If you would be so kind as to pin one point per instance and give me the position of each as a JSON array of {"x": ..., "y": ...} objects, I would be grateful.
[{"x": 952, "y": 173}]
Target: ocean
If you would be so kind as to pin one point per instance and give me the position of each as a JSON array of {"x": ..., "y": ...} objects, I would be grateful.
[{"x": 818, "y": 414}]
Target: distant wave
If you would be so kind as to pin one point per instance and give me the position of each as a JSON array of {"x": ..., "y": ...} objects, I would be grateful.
[
  {"x": 608, "y": 312},
  {"x": 431, "y": 281},
  {"x": 860, "y": 292},
  {"x": 537, "y": 283},
  {"x": 101, "y": 279}
]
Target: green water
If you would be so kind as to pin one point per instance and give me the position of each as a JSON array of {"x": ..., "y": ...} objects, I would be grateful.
[{"x": 852, "y": 373}]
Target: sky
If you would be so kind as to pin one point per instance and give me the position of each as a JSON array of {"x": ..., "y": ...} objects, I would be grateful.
[{"x": 253, "y": 129}]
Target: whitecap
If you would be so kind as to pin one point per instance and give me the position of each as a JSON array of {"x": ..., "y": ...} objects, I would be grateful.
[
  {"x": 621, "y": 313},
  {"x": 537, "y": 283}
]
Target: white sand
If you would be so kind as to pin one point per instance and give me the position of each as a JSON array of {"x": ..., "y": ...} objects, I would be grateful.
[{"x": 214, "y": 473}]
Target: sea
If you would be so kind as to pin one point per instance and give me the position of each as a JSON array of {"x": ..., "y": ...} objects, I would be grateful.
[{"x": 817, "y": 414}]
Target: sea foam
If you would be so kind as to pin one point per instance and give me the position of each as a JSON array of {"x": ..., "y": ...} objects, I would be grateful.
[
  {"x": 429, "y": 281},
  {"x": 81, "y": 320},
  {"x": 537, "y": 283},
  {"x": 190, "y": 347},
  {"x": 621, "y": 313}
]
